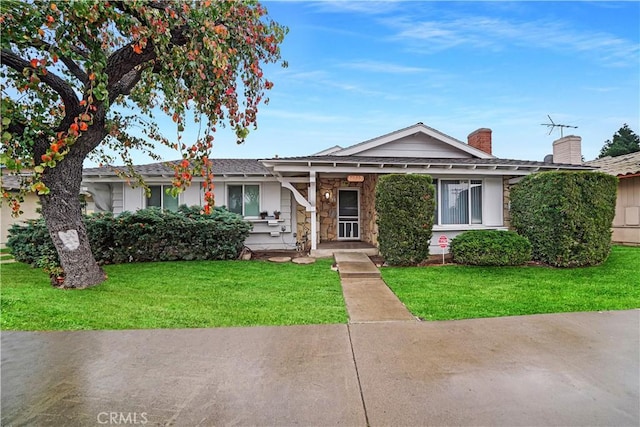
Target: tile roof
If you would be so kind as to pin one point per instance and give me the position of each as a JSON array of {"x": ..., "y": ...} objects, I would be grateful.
[
  {"x": 626, "y": 164},
  {"x": 220, "y": 167}
]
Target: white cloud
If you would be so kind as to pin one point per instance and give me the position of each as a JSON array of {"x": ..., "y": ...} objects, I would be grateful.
[
  {"x": 496, "y": 34},
  {"x": 384, "y": 67},
  {"x": 363, "y": 7}
]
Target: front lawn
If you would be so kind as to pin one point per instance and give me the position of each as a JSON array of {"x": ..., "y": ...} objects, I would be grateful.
[
  {"x": 461, "y": 292},
  {"x": 5, "y": 254},
  {"x": 195, "y": 294}
]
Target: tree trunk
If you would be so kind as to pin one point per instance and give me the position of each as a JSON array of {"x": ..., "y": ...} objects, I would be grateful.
[{"x": 63, "y": 216}]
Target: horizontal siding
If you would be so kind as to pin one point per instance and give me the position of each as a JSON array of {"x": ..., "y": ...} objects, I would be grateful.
[
  {"x": 451, "y": 233},
  {"x": 118, "y": 201},
  {"x": 261, "y": 237},
  {"x": 492, "y": 200},
  {"x": 133, "y": 199},
  {"x": 416, "y": 146},
  {"x": 192, "y": 196}
]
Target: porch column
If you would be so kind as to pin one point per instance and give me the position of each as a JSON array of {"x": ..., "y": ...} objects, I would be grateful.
[{"x": 312, "y": 201}]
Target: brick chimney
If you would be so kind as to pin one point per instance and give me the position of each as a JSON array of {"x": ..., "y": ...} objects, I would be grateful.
[
  {"x": 480, "y": 139},
  {"x": 568, "y": 150}
]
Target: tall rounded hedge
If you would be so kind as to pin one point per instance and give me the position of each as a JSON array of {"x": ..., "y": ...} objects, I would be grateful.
[
  {"x": 566, "y": 216},
  {"x": 405, "y": 207},
  {"x": 145, "y": 235},
  {"x": 490, "y": 247}
]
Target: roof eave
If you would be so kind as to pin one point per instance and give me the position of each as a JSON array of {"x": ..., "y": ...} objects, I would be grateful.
[{"x": 306, "y": 165}]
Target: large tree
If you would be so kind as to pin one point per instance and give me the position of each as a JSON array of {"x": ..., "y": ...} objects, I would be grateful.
[
  {"x": 624, "y": 141},
  {"x": 76, "y": 75}
]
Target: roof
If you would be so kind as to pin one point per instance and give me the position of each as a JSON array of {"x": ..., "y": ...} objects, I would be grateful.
[
  {"x": 219, "y": 167},
  {"x": 330, "y": 150},
  {"x": 621, "y": 166},
  {"x": 402, "y": 133},
  {"x": 419, "y": 161},
  {"x": 352, "y": 159}
]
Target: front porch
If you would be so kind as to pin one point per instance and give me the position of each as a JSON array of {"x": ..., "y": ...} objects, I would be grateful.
[{"x": 327, "y": 249}]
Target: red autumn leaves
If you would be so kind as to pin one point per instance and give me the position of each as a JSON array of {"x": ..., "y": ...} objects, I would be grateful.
[
  {"x": 81, "y": 124},
  {"x": 183, "y": 176}
]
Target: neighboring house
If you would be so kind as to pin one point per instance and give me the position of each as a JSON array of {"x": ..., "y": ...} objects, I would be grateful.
[
  {"x": 626, "y": 224},
  {"x": 329, "y": 197},
  {"x": 29, "y": 207}
]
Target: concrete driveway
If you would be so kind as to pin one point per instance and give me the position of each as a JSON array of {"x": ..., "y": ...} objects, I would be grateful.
[{"x": 559, "y": 369}]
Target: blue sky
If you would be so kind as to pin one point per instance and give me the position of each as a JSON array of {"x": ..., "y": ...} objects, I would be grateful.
[{"x": 358, "y": 70}]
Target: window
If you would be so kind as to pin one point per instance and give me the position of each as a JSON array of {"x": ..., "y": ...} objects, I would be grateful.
[
  {"x": 161, "y": 199},
  {"x": 460, "y": 201},
  {"x": 244, "y": 199}
]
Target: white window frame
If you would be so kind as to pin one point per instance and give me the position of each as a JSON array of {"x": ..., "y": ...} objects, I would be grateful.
[
  {"x": 469, "y": 213},
  {"x": 243, "y": 184},
  {"x": 163, "y": 189}
]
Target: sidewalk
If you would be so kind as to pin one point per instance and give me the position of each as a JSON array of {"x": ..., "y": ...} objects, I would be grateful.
[{"x": 558, "y": 369}]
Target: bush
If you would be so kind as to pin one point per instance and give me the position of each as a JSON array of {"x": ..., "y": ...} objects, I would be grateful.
[
  {"x": 146, "y": 235},
  {"x": 31, "y": 242},
  {"x": 566, "y": 216},
  {"x": 490, "y": 247},
  {"x": 405, "y": 207}
]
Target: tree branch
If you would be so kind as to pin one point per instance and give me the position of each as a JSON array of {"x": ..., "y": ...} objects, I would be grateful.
[
  {"x": 72, "y": 66},
  {"x": 125, "y": 61},
  {"x": 75, "y": 69},
  {"x": 62, "y": 88},
  {"x": 127, "y": 82}
]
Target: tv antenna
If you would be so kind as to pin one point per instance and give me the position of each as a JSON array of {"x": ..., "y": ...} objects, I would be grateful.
[{"x": 554, "y": 125}]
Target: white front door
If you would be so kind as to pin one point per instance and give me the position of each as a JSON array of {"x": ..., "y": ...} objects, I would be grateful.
[{"x": 348, "y": 214}]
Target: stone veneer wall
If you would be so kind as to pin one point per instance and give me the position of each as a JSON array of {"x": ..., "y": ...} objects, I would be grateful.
[
  {"x": 368, "y": 206},
  {"x": 302, "y": 218},
  {"x": 327, "y": 209}
]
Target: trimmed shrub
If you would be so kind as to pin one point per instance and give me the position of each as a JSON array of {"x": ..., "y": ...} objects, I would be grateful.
[
  {"x": 405, "y": 207},
  {"x": 490, "y": 247},
  {"x": 146, "y": 235},
  {"x": 566, "y": 216},
  {"x": 31, "y": 242}
]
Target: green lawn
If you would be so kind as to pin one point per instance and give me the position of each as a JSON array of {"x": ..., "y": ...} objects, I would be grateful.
[
  {"x": 460, "y": 292},
  {"x": 247, "y": 293},
  {"x": 194, "y": 294}
]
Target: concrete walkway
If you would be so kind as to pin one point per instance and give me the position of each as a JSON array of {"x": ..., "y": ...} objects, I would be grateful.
[
  {"x": 367, "y": 297},
  {"x": 573, "y": 369}
]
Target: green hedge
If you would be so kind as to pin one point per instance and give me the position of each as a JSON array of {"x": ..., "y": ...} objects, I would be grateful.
[
  {"x": 405, "y": 207},
  {"x": 145, "y": 235},
  {"x": 566, "y": 216},
  {"x": 490, "y": 247}
]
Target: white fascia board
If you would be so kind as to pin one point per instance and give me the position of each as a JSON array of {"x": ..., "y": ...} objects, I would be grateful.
[{"x": 446, "y": 169}]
